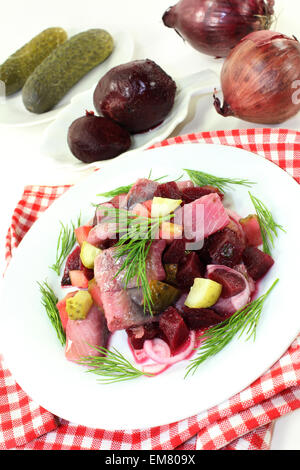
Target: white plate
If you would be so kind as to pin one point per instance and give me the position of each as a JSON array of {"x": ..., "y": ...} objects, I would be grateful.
[
  {"x": 13, "y": 112},
  {"x": 36, "y": 358},
  {"x": 54, "y": 142}
]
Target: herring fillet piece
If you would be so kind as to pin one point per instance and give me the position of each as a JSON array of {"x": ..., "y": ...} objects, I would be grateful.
[
  {"x": 202, "y": 217},
  {"x": 81, "y": 335},
  {"x": 143, "y": 190},
  {"x": 120, "y": 310}
]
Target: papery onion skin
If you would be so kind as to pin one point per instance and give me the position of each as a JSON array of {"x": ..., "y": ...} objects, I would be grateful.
[
  {"x": 215, "y": 27},
  {"x": 258, "y": 79}
]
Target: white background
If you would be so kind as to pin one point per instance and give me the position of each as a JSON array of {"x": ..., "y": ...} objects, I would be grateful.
[{"x": 21, "y": 160}]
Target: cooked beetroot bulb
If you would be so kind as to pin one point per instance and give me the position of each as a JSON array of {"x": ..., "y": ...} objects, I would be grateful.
[
  {"x": 168, "y": 190},
  {"x": 138, "y": 95},
  {"x": 138, "y": 334},
  {"x": 189, "y": 267},
  {"x": 73, "y": 263},
  {"x": 174, "y": 252},
  {"x": 192, "y": 194},
  {"x": 232, "y": 283},
  {"x": 225, "y": 247},
  {"x": 92, "y": 138},
  {"x": 173, "y": 328},
  {"x": 198, "y": 318},
  {"x": 257, "y": 262}
]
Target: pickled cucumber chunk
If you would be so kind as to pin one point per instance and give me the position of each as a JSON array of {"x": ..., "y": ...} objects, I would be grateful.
[
  {"x": 20, "y": 65},
  {"x": 64, "y": 67}
]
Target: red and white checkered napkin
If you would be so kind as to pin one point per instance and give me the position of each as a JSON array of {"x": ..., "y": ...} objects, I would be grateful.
[{"x": 242, "y": 422}]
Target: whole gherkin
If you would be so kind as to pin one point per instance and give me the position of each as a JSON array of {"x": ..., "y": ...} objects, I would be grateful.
[
  {"x": 20, "y": 65},
  {"x": 64, "y": 67}
]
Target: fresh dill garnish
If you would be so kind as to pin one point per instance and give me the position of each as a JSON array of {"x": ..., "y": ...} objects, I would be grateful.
[
  {"x": 137, "y": 235},
  {"x": 65, "y": 243},
  {"x": 49, "y": 301},
  {"x": 268, "y": 227},
  {"x": 199, "y": 178},
  {"x": 217, "y": 337},
  {"x": 117, "y": 191},
  {"x": 112, "y": 366}
]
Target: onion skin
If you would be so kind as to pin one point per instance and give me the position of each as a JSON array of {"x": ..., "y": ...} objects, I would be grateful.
[
  {"x": 216, "y": 27},
  {"x": 258, "y": 79}
]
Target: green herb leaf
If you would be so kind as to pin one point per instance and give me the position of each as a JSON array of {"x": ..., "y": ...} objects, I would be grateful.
[
  {"x": 199, "y": 178},
  {"x": 112, "y": 366},
  {"x": 65, "y": 243},
  {"x": 217, "y": 337},
  {"x": 49, "y": 301},
  {"x": 134, "y": 245},
  {"x": 269, "y": 228}
]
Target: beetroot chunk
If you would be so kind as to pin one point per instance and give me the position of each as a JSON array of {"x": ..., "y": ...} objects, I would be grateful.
[
  {"x": 232, "y": 283},
  {"x": 168, "y": 190},
  {"x": 192, "y": 194},
  {"x": 173, "y": 328},
  {"x": 73, "y": 263},
  {"x": 174, "y": 252},
  {"x": 257, "y": 262},
  {"x": 189, "y": 268},
  {"x": 139, "y": 334},
  {"x": 198, "y": 318},
  {"x": 225, "y": 247}
]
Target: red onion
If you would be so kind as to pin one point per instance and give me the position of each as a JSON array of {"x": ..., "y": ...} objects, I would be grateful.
[
  {"x": 215, "y": 27},
  {"x": 260, "y": 79}
]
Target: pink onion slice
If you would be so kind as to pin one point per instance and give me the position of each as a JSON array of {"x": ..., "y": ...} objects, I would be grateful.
[{"x": 159, "y": 351}]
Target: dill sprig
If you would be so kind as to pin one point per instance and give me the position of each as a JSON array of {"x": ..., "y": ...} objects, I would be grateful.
[
  {"x": 137, "y": 235},
  {"x": 112, "y": 366},
  {"x": 216, "y": 338},
  {"x": 268, "y": 227},
  {"x": 65, "y": 243},
  {"x": 49, "y": 301},
  {"x": 199, "y": 178}
]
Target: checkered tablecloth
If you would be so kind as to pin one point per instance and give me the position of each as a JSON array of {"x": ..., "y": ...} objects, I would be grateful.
[{"x": 244, "y": 422}]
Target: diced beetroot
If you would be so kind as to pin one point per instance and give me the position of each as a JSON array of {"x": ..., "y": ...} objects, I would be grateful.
[
  {"x": 82, "y": 232},
  {"x": 257, "y": 262},
  {"x": 225, "y": 247},
  {"x": 78, "y": 279},
  {"x": 252, "y": 230},
  {"x": 73, "y": 263},
  {"x": 232, "y": 283},
  {"x": 192, "y": 194},
  {"x": 61, "y": 306},
  {"x": 174, "y": 252},
  {"x": 198, "y": 318},
  {"x": 139, "y": 334},
  {"x": 168, "y": 190},
  {"x": 173, "y": 328},
  {"x": 189, "y": 267}
]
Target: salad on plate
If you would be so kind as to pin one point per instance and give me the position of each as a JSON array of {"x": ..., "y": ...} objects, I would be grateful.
[{"x": 171, "y": 264}]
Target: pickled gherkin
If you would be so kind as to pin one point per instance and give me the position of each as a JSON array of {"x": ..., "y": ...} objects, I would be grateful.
[
  {"x": 64, "y": 67},
  {"x": 162, "y": 295},
  {"x": 20, "y": 65}
]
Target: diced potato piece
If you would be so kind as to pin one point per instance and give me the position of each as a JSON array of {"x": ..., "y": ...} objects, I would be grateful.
[
  {"x": 162, "y": 206},
  {"x": 203, "y": 294}
]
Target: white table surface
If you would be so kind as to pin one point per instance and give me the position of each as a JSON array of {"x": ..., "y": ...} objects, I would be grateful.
[{"x": 21, "y": 160}]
